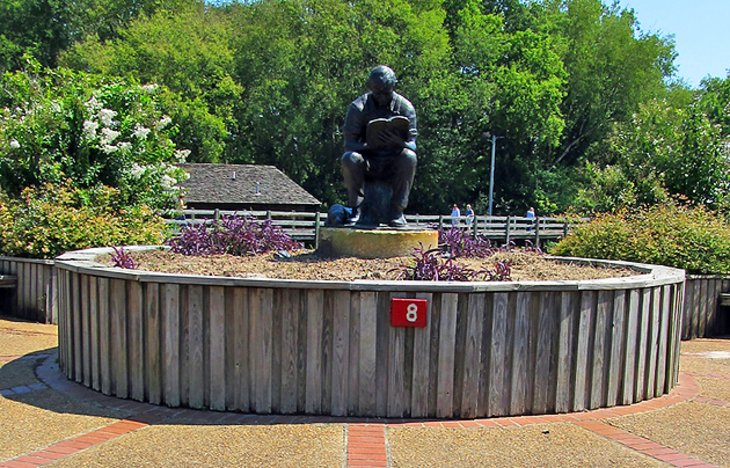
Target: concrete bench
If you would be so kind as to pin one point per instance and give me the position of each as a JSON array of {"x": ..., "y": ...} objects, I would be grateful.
[{"x": 8, "y": 281}]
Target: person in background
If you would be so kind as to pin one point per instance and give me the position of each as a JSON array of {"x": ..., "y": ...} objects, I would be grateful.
[
  {"x": 455, "y": 215},
  {"x": 531, "y": 216},
  {"x": 469, "y": 215}
]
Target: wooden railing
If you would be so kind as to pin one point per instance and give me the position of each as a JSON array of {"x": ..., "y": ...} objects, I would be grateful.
[{"x": 305, "y": 226}]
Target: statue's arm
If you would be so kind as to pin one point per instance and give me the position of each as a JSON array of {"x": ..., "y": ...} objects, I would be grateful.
[
  {"x": 410, "y": 142},
  {"x": 353, "y": 130}
]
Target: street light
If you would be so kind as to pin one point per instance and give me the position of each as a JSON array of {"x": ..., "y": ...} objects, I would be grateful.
[{"x": 491, "y": 170}]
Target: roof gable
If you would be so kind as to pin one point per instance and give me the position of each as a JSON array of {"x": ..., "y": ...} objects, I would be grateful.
[{"x": 242, "y": 183}]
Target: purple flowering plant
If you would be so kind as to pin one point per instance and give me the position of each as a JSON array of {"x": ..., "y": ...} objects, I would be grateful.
[{"x": 232, "y": 235}]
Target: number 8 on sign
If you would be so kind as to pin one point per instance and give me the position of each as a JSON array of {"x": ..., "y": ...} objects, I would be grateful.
[
  {"x": 412, "y": 314},
  {"x": 408, "y": 312}
]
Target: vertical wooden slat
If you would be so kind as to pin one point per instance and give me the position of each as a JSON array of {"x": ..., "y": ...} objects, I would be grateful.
[
  {"x": 196, "y": 373},
  {"x": 642, "y": 344},
  {"x": 85, "y": 329},
  {"x": 677, "y": 343},
  {"x": 382, "y": 334},
  {"x": 712, "y": 299},
  {"x": 498, "y": 354},
  {"x": 421, "y": 361},
  {"x": 326, "y": 347},
  {"x": 77, "y": 340},
  {"x": 94, "y": 321},
  {"x": 518, "y": 403},
  {"x": 242, "y": 373},
  {"x": 583, "y": 355},
  {"x": 315, "y": 318},
  {"x": 105, "y": 337},
  {"x": 340, "y": 352},
  {"x": 542, "y": 358},
  {"x": 566, "y": 326},
  {"x": 703, "y": 308},
  {"x": 472, "y": 356},
  {"x": 687, "y": 311},
  {"x": 664, "y": 318},
  {"x": 118, "y": 312},
  {"x": 696, "y": 308},
  {"x": 395, "y": 389},
  {"x": 290, "y": 343},
  {"x": 53, "y": 292},
  {"x": 217, "y": 343},
  {"x": 171, "y": 344},
  {"x": 353, "y": 381},
  {"x": 135, "y": 336},
  {"x": 653, "y": 342},
  {"x": 153, "y": 350},
  {"x": 616, "y": 354},
  {"x": 446, "y": 350},
  {"x": 630, "y": 349},
  {"x": 62, "y": 329},
  {"x": 260, "y": 340}
]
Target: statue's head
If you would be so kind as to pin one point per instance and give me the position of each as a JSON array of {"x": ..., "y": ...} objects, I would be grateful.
[{"x": 381, "y": 84}]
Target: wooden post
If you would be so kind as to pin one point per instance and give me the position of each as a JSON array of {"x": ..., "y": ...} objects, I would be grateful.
[
  {"x": 268, "y": 215},
  {"x": 565, "y": 228},
  {"x": 441, "y": 222},
  {"x": 216, "y": 214},
  {"x": 537, "y": 231},
  {"x": 507, "y": 230},
  {"x": 316, "y": 229}
]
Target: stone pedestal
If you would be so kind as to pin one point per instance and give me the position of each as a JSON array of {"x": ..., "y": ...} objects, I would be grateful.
[{"x": 374, "y": 243}]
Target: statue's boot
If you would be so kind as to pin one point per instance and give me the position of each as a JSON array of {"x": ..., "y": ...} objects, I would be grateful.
[
  {"x": 354, "y": 217},
  {"x": 397, "y": 219}
]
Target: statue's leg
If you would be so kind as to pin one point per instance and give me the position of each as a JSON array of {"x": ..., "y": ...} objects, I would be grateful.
[
  {"x": 404, "y": 171},
  {"x": 353, "y": 174}
]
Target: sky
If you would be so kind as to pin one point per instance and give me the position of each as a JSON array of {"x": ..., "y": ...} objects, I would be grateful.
[{"x": 701, "y": 30}]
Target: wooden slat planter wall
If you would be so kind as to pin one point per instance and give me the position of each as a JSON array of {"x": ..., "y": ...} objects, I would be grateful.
[
  {"x": 267, "y": 346},
  {"x": 36, "y": 293},
  {"x": 702, "y": 316}
]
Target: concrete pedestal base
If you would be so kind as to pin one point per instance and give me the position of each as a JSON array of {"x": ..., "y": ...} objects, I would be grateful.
[{"x": 374, "y": 243}]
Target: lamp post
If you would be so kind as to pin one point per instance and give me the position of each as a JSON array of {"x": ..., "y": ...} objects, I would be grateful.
[{"x": 491, "y": 171}]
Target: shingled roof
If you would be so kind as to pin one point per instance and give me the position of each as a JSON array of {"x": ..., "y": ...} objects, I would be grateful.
[{"x": 242, "y": 184}]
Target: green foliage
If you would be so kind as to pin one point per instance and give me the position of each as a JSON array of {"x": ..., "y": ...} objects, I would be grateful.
[
  {"x": 695, "y": 239},
  {"x": 47, "y": 221},
  {"x": 189, "y": 53},
  {"x": 61, "y": 124}
]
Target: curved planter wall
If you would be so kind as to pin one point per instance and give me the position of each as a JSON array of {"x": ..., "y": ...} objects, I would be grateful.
[
  {"x": 35, "y": 296},
  {"x": 322, "y": 347}
]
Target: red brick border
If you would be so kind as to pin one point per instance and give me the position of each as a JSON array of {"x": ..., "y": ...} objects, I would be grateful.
[
  {"x": 366, "y": 445},
  {"x": 641, "y": 444},
  {"x": 74, "y": 445}
]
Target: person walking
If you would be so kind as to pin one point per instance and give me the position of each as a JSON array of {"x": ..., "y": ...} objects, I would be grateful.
[
  {"x": 469, "y": 213},
  {"x": 455, "y": 215}
]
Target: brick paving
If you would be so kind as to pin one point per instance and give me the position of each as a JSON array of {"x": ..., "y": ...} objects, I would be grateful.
[{"x": 366, "y": 440}]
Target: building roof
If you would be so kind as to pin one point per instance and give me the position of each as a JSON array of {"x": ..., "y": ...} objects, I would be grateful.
[{"x": 242, "y": 184}]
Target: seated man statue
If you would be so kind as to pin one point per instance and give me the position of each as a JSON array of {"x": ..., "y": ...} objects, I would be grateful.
[{"x": 378, "y": 166}]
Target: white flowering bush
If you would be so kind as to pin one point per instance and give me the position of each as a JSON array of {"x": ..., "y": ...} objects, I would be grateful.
[{"x": 58, "y": 125}]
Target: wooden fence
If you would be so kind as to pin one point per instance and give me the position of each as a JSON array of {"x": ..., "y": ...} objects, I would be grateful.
[
  {"x": 35, "y": 296},
  {"x": 703, "y": 316},
  {"x": 305, "y": 226}
]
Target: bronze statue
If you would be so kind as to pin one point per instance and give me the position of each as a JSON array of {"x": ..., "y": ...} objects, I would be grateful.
[{"x": 379, "y": 162}]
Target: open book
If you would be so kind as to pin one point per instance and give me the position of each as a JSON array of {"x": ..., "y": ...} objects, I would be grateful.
[{"x": 399, "y": 124}]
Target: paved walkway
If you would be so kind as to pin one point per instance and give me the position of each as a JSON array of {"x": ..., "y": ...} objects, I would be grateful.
[{"x": 47, "y": 420}]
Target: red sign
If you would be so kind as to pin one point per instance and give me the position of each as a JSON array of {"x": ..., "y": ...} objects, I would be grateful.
[{"x": 408, "y": 312}]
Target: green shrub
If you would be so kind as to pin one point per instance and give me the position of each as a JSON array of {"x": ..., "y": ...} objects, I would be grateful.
[
  {"x": 46, "y": 222},
  {"x": 694, "y": 239}
]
